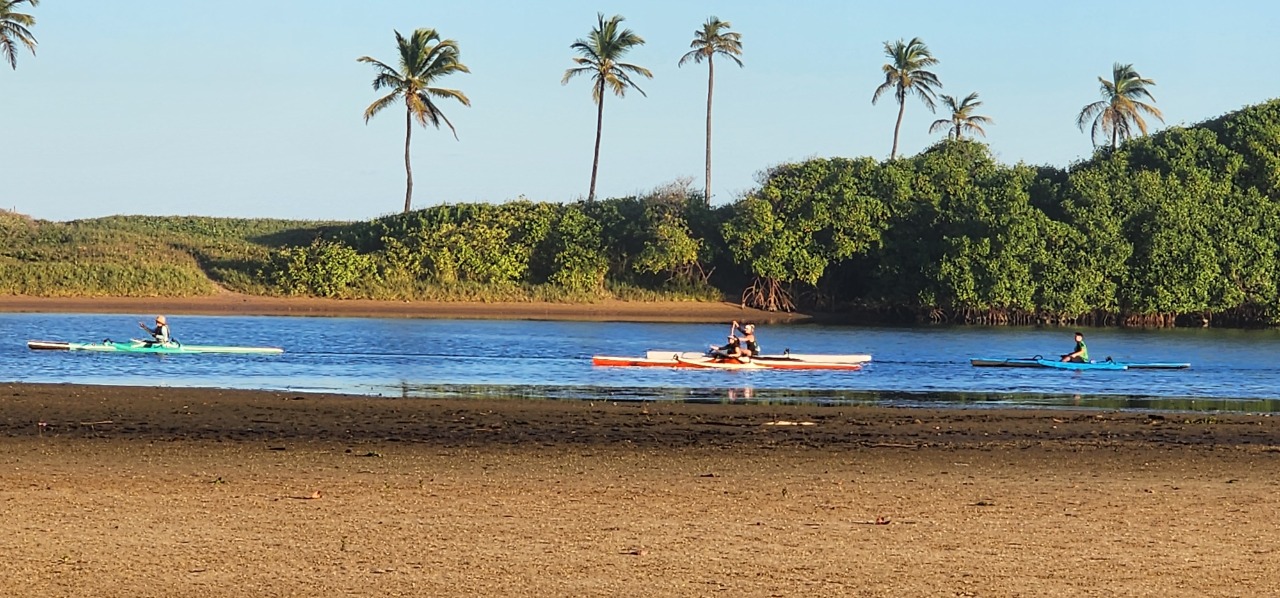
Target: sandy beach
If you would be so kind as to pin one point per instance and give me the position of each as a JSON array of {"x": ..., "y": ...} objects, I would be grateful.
[
  {"x": 123, "y": 491},
  {"x": 119, "y": 491}
]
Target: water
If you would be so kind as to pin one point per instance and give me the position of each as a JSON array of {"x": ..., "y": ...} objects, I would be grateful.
[{"x": 1231, "y": 370}]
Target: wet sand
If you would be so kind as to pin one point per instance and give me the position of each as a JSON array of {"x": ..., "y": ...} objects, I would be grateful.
[{"x": 118, "y": 491}]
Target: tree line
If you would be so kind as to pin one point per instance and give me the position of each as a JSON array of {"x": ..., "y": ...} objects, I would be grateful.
[{"x": 1180, "y": 227}]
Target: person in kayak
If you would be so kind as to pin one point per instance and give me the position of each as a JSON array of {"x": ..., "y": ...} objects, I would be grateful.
[
  {"x": 1080, "y": 353},
  {"x": 159, "y": 334},
  {"x": 741, "y": 347}
]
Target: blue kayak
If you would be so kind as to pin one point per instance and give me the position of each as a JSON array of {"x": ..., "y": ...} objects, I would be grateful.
[{"x": 1040, "y": 362}]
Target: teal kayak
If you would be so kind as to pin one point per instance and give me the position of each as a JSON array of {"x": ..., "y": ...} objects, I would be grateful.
[
  {"x": 137, "y": 346},
  {"x": 1039, "y": 362}
]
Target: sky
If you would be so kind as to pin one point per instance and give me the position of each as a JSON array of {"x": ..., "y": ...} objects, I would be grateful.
[{"x": 254, "y": 108}]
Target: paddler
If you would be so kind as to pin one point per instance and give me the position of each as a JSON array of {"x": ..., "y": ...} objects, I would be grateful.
[
  {"x": 1080, "y": 353},
  {"x": 741, "y": 347},
  {"x": 159, "y": 334},
  {"x": 747, "y": 342}
]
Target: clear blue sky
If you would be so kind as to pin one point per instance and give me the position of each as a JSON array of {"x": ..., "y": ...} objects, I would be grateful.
[{"x": 253, "y": 108}]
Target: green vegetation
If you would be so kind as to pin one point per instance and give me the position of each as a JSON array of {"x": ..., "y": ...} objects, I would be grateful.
[
  {"x": 600, "y": 56},
  {"x": 140, "y": 255},
  {"x": 424, "y": 57},
  {"x": 1181, "y": 227}
]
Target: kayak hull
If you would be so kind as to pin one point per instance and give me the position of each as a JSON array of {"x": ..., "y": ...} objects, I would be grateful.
[
  {"x": 1081, "y": 365},
  {"x": 1038, "y": 362},
  {"x": 1070, "y": 365},
  {"x": 854, "y": 358},
  {"x": 672, "y": 361},
  {"x": 137, "y": 346},
  {"x": 728, "y": 364},
  {"x": 699, "y": 360}
]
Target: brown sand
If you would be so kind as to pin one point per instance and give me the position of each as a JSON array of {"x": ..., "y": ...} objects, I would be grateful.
[
  {"x": 111, "y": 491},
  {"x": 236, "y": 304}
]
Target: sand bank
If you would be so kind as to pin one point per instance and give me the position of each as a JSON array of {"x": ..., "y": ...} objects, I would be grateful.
[{"x": 114, "y": 491}]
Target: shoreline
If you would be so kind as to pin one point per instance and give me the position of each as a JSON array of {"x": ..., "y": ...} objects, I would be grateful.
[
  {"x": 148, "y": 414},
  {"x": 250, "y": 305}
]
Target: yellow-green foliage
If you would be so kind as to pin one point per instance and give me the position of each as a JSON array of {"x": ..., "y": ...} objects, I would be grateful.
[
  {"x": 63, "y": 279},
  {"x": 140, "y": 256},
  {"x": 451, "y": 253},
  {"x": 324, "y": 268}
]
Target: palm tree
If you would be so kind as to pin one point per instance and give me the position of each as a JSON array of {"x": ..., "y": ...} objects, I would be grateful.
[
  {"x": 14, "y": 26},
  {"x": 905, "y": 74},
  {"x": 962, "y": 117},
  {"x": 424, "y": 57},
  {"x": 714, "y": 38},
  {"x": 1121, "y": 108},
  {"x": 600, "y": 54}
]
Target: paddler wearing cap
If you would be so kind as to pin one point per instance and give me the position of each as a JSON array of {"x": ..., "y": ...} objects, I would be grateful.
[
  {"x": 742, "y": 342},
  {"x": 159, "y": 334}
]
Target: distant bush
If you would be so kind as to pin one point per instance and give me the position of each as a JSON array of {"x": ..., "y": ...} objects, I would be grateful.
[{"x": 323, "y": 269}]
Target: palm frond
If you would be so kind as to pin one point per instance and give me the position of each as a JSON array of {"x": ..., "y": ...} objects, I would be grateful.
[
  {"x": 14, "y": 30},
  {"x": 571, "y": 73},
  {"x": 379, "y": 104},
  {"x": 886, "y": 86},
  {"x": 387, "y": 80},
  {"x": 449, "y": 93}
]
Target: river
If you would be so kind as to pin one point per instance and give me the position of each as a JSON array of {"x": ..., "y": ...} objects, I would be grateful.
[{"x": 1232, "y": 370}]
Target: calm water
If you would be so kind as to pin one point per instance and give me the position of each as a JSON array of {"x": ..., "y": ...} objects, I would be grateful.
[{"x": 1231, "y": 370}]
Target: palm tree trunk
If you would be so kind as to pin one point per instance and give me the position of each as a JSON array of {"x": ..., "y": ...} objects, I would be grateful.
[
  {"x": 902, "y": 107},
  {"x": 711, "y": 82},
  {"x": 595, "y": 161},
  {"x": 408, "y": 169}
]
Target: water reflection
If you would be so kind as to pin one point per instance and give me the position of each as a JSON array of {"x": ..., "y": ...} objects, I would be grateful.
[{"x": 774, "y": 396}]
